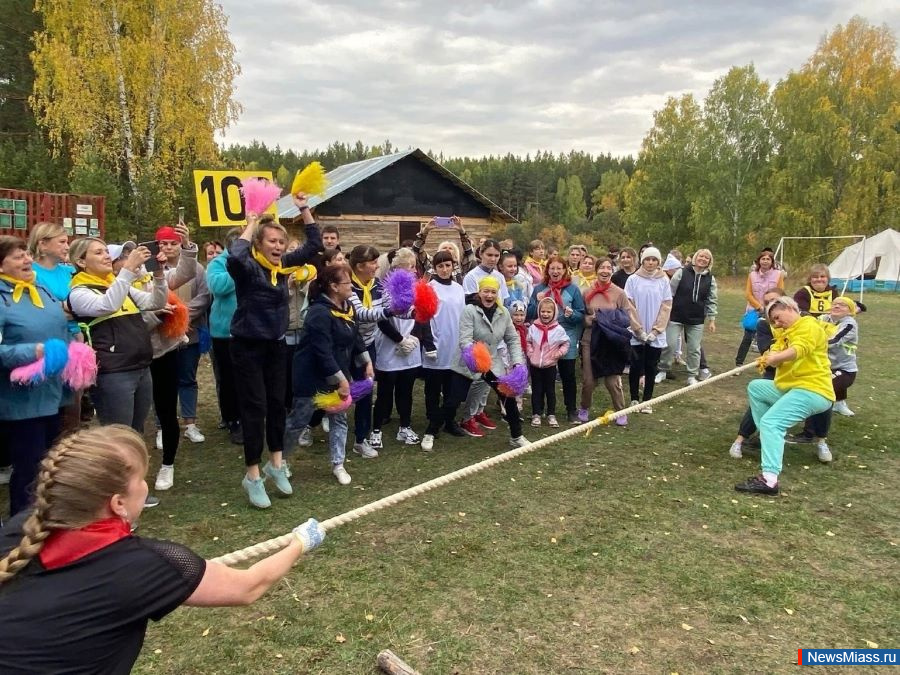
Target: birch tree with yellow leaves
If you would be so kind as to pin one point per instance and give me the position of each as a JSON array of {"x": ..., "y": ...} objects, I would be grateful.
[{"x": 138, "y": 85}]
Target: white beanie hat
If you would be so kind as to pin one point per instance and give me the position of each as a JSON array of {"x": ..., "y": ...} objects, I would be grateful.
[
  {"x": 671, "y": 263},
  {"x": 650, "y": 252}
]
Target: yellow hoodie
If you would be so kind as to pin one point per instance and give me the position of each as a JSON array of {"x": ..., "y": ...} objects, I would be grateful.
[{"x": 811, "y": 370}]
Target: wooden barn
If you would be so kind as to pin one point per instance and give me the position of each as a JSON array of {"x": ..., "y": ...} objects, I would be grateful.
[{"x": 385, "y": 200}]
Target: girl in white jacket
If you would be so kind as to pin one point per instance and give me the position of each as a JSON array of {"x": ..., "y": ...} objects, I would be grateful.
[{"x": 546, "y": 343}]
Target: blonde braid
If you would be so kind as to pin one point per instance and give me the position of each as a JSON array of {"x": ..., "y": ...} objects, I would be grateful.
[
  {"x": 35, "y": 530},
  {"x": 76, "y": 480}
]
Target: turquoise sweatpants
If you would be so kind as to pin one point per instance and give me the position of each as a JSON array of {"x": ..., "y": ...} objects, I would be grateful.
[{"x": 775, "y": 411}]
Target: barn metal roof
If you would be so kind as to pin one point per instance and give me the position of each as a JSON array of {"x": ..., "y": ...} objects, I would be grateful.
[{"x": 346, "y": 176}]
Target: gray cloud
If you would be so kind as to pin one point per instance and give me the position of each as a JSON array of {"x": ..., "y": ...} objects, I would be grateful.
[{"x": 490, "y": 78}]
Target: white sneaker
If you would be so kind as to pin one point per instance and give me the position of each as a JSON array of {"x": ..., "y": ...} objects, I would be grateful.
[
  {"x": 660, "y": 377},
  {"x": 5, "y": 473},
  {"x": 407, "y": 435},
  {"x": 159, "y": 439},
  {"x": 552, "y": 422},
  {"x": 192, "y": 433},
  {"x": 365, "y": 450},
  {"x": 165, "y": 479},
  {"x": 375, "y": 440},
  {"x": 326, "y": 425},
  {"x": 824, "y": 452},
  {"x": 341, "y": 474},
  {"x": 735, "y": 450},
  {"x": 519, "y": 442},
  {"x": 705, "y": 374},
  {"x": 647, "y": 411},
  {"x": 691, "y": 380},
  {"x": 841, "y": 408},
  {"x": 427, "y": 442},
  {"x": 535, "y": 420},
  {"x": 305, "y": 438}
]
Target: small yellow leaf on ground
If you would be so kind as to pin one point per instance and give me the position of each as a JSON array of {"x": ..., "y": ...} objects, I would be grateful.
[
  {"x": 871, "y": 645},
  {"x": 634, "y": 650},
  {"x": 206, "y": 632},
  {"x": 789, "y": 611},
  {"x": 710, "y": 641},
  {"x": 687, "y": 626},
  {"x": 462, "y": 514},
  {"x": 829, "y": 533},
  {"x": 157, "y": 651},
  {"x": 340, "y": 638},
  {"x": 552, "y": 540},
  {"x": 370, "y": 617}
]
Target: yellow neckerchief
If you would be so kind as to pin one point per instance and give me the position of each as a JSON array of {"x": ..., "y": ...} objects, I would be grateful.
[
  {"x": 20, "y": 286},
  {"x": 143, "y": 281},
  {"x": 85, "y": 279},
  {"x": 346, "y": 316},
  {"x": 511, "y": 283},
  {"x": 274, "y": 270},
  {"x": 366, "y": 289},
  {"x": 539, "y": 263}
]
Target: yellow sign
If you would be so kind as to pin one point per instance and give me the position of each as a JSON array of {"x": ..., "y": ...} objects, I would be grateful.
[{"x": 219, "y": 201}]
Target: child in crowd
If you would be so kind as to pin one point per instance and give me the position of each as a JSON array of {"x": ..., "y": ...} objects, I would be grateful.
[
  {"x": 547, "y": 342},
  {"x": 517, "y": 311},
  {"x": 536, "y": 261}
]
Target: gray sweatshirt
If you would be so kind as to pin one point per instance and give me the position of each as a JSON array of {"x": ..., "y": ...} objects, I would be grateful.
[{"x": 842, "y": 345}]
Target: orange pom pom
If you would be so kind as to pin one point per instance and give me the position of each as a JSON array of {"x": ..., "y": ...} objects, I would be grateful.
[
  {"x": 482, "y": 356},
  {"x": 176, "y": 324},
  {"x": 425, "y": 301}
]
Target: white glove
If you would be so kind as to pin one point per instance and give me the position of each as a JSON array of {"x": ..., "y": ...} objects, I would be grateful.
[
  {"x": 651, "y": 336},
  {"x": 407, "y": 345},
  {"x": 431, "y": 355},
  {"x": 643, "y": 336},
  {"x": 310, "y": 534}
]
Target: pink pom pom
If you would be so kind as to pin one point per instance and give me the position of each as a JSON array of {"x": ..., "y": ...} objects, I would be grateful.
[
  {"x": 33, "y": 373},
  {"x": 259, "y": 194},
  {"x": 399, "y": 284},
  {"x": 425, "y": 300},
  {"x": 81, "y": 369}
]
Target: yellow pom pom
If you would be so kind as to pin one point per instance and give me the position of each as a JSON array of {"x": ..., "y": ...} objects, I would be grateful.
[
  {"x": 305, "y": 273},
  {"x": 310, "y": 181}
]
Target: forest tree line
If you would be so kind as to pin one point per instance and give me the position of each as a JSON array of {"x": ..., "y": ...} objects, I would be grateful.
[{"x": 815, "y": 154}]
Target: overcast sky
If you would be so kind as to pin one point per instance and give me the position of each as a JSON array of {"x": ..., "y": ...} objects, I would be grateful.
[{"x": 479, "y": 78}]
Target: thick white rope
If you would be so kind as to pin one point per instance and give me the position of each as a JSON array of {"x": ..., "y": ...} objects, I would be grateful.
[{"x": 272, "y": 545}]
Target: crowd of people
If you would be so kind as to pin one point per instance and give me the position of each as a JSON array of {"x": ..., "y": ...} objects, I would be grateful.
[{"x": 284, "y": 322}]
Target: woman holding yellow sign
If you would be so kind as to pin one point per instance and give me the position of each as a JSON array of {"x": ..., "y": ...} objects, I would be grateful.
[{"x": 260, "y": 266}]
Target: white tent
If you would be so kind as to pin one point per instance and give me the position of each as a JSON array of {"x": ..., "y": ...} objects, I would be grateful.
[{"x": 878, "y": 255}]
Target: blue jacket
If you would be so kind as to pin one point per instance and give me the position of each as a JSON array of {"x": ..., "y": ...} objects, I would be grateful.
[
  {"x": 22, "y": 327},
  {"x": 574, "y": 324},
  {"x": 262, "y": 309},
  {"x": 224, "y": 300}
]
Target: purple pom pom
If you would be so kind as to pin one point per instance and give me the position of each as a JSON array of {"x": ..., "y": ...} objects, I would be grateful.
[
  {"x": 400, "y": 285},
  {"x": 361, "y": 388},
  {"x": 468, "y": 357},
  {"x": 515, "y": 382}
]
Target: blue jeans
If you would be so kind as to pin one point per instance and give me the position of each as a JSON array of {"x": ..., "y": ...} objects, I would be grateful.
[
  {"x": 776, "y": 411},
  {"x": 187, "y": 358},
  {"x": 299, "y": 418},
  {"x": 123, "y": 398}
]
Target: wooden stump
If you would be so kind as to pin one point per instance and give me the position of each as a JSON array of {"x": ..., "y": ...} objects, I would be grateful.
[{"x": 392, "y": 664}]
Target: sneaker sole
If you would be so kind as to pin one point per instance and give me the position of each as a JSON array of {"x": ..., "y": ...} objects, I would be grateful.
[{"x": 473, "y": 434}]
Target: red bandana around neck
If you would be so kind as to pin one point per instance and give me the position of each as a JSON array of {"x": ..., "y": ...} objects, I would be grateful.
[
  {"x": 556, "y": 288},
  {"x": 598, "y": 288},
  {"x": 64, "y": 547}
]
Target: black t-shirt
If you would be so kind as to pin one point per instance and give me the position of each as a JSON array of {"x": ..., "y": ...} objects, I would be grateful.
[
  {"x": 90, "y": 616},
  {"x": 619, "y": 277}
]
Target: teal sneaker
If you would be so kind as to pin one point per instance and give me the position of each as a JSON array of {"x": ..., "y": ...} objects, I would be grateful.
[
  {"x": 256, "y": 490},
  {"x": 280, "y": 476}
]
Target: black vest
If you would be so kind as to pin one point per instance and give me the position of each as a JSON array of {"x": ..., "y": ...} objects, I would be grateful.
[
  {"x": 120, "y": 340},
  {"x": 689, "y": 299}
]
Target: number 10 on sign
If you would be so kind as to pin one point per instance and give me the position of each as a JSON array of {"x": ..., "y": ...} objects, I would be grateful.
[{"x": 218, "y": 194}]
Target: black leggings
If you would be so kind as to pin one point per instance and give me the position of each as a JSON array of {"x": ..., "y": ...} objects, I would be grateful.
[
  {"x": 543, "y": 388},
  {"x": 259, "y": 367},
  {"x": 438, "y": 399},
  {"x": 566, "y": 369},
  {"x": 228, "y": 406},
  {"x": 744, "y": 347},
  {"x": 644, "y": 363},
  {"x": 165, "y": 401},
  {"x": 394, "y": 384},
  {"x": 459, "y": 388}
]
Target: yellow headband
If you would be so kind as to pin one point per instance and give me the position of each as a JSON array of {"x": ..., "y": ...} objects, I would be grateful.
[
  {"x": 489, "y": 282},
  {"x": 851, "y": 305}
]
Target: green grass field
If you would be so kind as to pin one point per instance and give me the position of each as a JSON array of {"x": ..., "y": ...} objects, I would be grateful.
[{"x": 626, "y": 551}]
